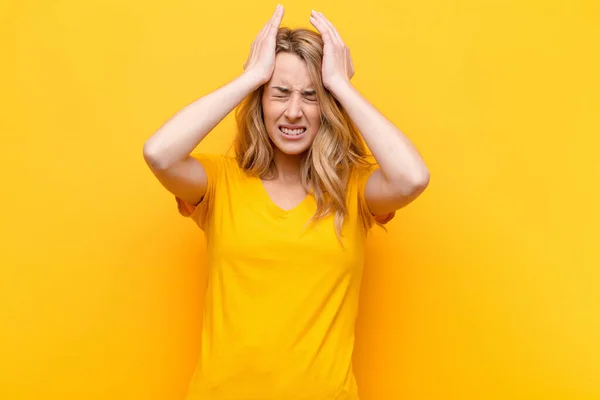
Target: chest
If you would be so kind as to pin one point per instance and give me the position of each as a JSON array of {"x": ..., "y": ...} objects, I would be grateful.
[
  {"x": 285, "y": 197},
  {"x": 253, "y": 224}
]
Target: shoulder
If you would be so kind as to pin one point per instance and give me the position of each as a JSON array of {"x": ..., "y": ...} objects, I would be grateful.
[
  {"x": 221, "y": 172},
  {"x": 214, "y": 159},
  {"x": 359, "y": 178},
  {"x": 359, "y": 175},
  {"x": 216, "y": 164}
]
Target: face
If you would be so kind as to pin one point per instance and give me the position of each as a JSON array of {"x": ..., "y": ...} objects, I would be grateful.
[{"x": 291, "y": 112}]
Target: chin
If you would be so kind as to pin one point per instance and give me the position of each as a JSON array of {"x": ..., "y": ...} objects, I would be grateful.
[{"x": 291, "y": 149}]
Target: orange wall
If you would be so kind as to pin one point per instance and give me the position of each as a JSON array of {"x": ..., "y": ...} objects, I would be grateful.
[{"x": 487, "y": 287}]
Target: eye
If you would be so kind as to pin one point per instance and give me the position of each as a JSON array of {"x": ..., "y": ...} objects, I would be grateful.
[{"x": 311, "y": 98}]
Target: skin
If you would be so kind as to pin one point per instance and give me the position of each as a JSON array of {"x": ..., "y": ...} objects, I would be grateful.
[
  {"x": 402, "y": 175},
  {"x": 289, "y": 99}
]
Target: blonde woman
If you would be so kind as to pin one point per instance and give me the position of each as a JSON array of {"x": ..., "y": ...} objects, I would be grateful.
[{"x": 286, "y": 216}]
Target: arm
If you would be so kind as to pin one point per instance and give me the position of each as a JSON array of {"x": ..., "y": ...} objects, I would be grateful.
[
  {"x": 167, "y": 151},
  {"x": 180, "y": 135},
  {"x": 402, "y": 175}
]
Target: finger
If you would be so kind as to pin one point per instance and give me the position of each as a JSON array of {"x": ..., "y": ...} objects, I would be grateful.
[
  {"x": 275, "y": 20},
  {"x": 261, "y": 33},
  {"x": 321, "y": 27},
  {"x": 266, "y": 25},
  {"x": 324, "y": 27},
  {"x": 332, "y": 29}
]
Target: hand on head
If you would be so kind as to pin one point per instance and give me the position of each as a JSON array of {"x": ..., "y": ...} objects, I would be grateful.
[
  {"x": 337, "y": 62},
  {"x": 261, "y": 61}
]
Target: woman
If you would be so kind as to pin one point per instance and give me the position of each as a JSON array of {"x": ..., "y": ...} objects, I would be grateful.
[{"x": 286, "y": 217}]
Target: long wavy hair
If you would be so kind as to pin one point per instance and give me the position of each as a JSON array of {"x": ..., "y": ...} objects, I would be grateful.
[{"x": 337, "y": 150}]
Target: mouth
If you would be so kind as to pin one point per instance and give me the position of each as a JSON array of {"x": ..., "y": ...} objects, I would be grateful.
[{"x": 292, "y": 132}]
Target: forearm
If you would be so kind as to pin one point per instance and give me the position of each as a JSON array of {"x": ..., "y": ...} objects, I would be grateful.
[
  {"x": 398, "y": 159},
  {"x": 180, "y": 135}
]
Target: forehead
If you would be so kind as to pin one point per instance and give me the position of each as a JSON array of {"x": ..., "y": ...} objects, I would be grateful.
[{"x": 291, "y": 71}]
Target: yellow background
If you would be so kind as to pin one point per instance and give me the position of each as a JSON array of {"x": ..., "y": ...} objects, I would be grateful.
[{"x": 487, "y": 287}]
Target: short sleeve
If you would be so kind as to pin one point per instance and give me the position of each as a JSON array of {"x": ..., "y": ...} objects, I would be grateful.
[
  {"x": 363, "y": 176},
  {"x": 200, "y": 213}
]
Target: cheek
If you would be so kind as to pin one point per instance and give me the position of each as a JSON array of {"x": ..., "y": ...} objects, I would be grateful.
[
  {"x": 314, "y": 117},
  {"x": 266, "y": 109},
  {"x": 271, "y": 114},
  {"x": 271, "y": 111}
]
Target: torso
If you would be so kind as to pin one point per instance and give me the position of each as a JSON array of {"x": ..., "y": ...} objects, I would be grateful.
[
  {"x": 282, "y": 298},
  {"x": 283, "y": 195}
]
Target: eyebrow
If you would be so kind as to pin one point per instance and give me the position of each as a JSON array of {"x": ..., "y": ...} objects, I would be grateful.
[{"x": 306, "y": 92}]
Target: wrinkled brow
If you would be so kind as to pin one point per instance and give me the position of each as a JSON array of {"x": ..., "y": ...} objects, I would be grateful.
[{"x": 305, "y": 92}]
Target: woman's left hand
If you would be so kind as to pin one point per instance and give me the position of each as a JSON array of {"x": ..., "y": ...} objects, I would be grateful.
[{"x": 337, "y": 62}]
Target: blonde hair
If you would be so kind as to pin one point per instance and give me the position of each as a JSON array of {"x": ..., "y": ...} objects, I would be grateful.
[{"x": 337, "y": 149}]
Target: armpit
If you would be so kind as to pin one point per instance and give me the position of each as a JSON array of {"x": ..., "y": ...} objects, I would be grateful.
[
  {"x": 184, "y": 207},
  {"x": 384, "y": 219}
]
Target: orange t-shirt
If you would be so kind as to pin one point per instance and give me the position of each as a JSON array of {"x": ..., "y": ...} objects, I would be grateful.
[{"x": 282, "y": 299}]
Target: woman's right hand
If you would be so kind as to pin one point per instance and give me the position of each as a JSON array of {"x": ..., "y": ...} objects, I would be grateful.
[{"x": 261, "y": 61}]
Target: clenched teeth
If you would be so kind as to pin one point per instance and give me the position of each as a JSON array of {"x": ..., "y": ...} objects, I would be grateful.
[{"x": 292, "y": 131}]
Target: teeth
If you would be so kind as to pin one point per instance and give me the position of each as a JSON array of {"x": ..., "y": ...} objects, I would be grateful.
[{"x": 292, "y": 131}]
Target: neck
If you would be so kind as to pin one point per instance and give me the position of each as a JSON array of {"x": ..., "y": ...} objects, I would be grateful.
[{"x": 289, "y": 167}]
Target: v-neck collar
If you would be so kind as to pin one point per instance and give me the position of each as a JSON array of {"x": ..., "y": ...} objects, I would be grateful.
[{"x": 274, "y": 208}]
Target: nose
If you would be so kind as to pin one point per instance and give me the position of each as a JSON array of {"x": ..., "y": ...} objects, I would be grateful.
[{"x": 294, "y": 108}]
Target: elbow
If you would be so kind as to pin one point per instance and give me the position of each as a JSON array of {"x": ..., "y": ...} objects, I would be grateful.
[
  {"x": 421, "y": 183},
  {"x": 149, "y": 154},
  {"x": 152, "y": 157},
  {"x": 413, "y": 186},
  {"x": 415, "y": 189}
]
